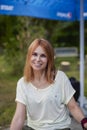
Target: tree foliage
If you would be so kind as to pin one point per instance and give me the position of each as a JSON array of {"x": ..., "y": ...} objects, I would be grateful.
[{"x": 16, "y": 33}]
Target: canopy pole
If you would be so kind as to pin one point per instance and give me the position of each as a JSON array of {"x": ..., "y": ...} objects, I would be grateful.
[{"x": 81, "y": 54}]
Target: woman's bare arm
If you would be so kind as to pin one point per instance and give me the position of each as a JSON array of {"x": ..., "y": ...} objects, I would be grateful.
[
  {"x": 76, "y": 111},
  {"x": 19, "y": 117}
]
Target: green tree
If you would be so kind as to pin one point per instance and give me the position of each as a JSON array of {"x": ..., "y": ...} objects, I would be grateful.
[
  {"x": 16, "y": 33},
  {"x": 18, "y": 36}
]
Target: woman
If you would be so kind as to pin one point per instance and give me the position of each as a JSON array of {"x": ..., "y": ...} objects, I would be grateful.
[{"x": 43, "y": 94}]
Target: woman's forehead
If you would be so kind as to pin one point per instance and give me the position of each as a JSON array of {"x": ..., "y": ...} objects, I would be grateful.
[{"x": 39, "y": 49}]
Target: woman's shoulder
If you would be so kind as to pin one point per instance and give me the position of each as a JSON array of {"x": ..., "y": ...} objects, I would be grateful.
[
  {"x": 60, "y": 74},
  {"x": 21, "y": 84},
  {"x": 21, "y": 81}
]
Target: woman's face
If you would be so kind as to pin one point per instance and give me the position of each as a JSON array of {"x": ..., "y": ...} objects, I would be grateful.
[{"x": 38, "y": 59}]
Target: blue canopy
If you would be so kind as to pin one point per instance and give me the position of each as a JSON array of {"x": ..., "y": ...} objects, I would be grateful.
[
  {"x": 67, "y": 10},
  {"x": 49, "y": 9}
]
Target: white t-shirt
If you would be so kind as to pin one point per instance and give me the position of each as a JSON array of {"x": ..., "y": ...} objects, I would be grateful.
[{"x": 46, "y": 108}]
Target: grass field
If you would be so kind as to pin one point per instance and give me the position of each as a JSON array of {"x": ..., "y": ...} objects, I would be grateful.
[
  {"x": 8, "y": 86},
  {"x": 7, "y": 93}
]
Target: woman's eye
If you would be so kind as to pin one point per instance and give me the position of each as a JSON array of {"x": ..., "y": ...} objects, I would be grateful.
[{"x": 34, "y": 54}]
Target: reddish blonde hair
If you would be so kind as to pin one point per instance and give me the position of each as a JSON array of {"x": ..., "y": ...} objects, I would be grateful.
[{"x": 50, "y": 69}]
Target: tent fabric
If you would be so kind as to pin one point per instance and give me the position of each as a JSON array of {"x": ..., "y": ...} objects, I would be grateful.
[{"x": 48, "y": 9}]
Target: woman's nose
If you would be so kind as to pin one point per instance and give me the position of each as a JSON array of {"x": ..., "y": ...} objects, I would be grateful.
[{"x": 38, "y": 58}]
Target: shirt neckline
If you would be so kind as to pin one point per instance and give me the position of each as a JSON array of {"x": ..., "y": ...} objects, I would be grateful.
[{"x": 41, "y": 89}]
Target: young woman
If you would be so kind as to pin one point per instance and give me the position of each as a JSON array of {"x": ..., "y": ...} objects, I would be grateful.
[{"x": 44, "y": 95}]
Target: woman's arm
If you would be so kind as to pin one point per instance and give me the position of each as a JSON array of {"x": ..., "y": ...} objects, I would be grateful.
[
  {"x": 76, "y": 111},
  {"x": 19, "y": 117}
]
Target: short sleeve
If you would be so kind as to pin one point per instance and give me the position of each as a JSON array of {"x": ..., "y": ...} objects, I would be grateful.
[
  {"x": 20, "y": 92},
  {"x": 67, "y": 89}
]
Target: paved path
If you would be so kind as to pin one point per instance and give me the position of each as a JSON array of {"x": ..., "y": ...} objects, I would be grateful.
[{"x": 74, "y": 126}]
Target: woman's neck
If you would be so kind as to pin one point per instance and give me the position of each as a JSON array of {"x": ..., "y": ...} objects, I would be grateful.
[{"x": 39, "y": 76}]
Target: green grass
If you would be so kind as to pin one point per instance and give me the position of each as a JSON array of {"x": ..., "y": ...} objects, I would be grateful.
[
  {"x": 8, "y": 86},
  {"x": 7, "y": 93}
]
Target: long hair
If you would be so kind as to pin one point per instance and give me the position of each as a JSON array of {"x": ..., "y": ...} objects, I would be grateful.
[{"x": 50, "y": 68}]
